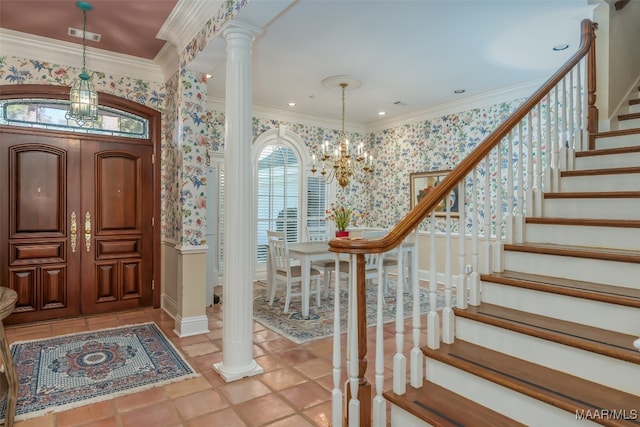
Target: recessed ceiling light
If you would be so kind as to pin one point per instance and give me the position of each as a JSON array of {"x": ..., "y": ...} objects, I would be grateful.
[
  {"x": 459, "y": 91},
  {"x": 209, "y": 75},
  {"x": 292, "y": 104},
  {"x": 561, "y": 47},
  {"x": 381, "y": 113}
]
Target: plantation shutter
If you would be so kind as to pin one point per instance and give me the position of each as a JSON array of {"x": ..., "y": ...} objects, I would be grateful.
[
  {"x": 277, "y": 196},
  {"x": 316, "y": 205}
]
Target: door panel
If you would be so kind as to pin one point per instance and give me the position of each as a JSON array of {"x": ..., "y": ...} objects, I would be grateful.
[
  {"x": 117, "y": 195},
  {"x": 35, "y": 228},
  {"x": 76, "y": 233}
]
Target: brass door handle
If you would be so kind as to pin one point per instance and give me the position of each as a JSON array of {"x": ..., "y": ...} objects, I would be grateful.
[
  {"x": 74, "y": 232},
  {"x": 87, "y": 231}
]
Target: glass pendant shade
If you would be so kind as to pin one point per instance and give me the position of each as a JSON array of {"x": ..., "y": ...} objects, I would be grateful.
[{"x": 83, "y": 98}]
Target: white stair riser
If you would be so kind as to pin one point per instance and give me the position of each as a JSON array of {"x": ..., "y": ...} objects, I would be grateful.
[
  {"x": 628, "y": 124},
  {"x": 618, "y": 141},
  {"x": 629, "y": 108},
  {"x": 607, "y": 161},
  {"x": 608, "y": 182},
  {"x": 514, "y": 405},
  {"x": 596, "y": 208},
  {"x": 582, "y": 235},
  {"x": 591, "y": 366},
  {"x": 402, "y": 418},
  {"x": 614, "y": 317},
  {"x": 586, "y": 269}
]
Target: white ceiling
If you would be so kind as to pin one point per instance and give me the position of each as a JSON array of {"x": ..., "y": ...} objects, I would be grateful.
[{"x": 411, "y": 55}]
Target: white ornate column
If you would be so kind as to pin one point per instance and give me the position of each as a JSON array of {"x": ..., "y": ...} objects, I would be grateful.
[{"x": 239, "y": 246}]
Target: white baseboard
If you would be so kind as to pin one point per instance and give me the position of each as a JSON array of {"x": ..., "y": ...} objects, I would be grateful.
[{"x": 186, "y": 327}]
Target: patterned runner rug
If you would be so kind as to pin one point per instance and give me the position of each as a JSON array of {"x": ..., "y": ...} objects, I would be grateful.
[
  {"x": 59, "y": 373},
  {"x": 320, "y": 322}
]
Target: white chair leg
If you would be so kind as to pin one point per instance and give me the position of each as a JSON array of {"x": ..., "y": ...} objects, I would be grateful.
[
  {"x": 273, "y": 292},
  {"x": 318, "y": 290},
  {"x": 288, "y": 298}
]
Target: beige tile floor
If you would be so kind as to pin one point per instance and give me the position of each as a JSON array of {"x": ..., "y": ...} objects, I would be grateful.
[{"x": 294, "y": 390}]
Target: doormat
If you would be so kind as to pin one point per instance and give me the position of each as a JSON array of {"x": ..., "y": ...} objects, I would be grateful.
[{"x": 68, "y": 371}]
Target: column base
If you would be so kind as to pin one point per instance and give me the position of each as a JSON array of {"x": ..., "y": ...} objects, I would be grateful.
[
  {"x": 229, "y": 375},
  {"x": 188, "y": 326}
]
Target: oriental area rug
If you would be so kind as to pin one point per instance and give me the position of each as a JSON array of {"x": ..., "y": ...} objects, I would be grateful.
[
  {"x": 63, "y": 372},
  {"x": 319, "y": 324}
]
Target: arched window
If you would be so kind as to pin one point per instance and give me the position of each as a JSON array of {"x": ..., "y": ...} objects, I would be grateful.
[{"x": 288, "y": 197}]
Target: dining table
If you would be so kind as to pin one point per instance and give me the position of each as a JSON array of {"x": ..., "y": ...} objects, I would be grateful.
[{"x": 307, "y": 252}]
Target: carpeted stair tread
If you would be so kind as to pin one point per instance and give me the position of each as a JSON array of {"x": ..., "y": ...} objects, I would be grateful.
[
  {"x": 576, "y": 288},
  {"x": 597, "y": 340},
  {"x": 441, "y": 407},
  {"x": 606, "y": 254},
  {"x": 554, "y": 387}
]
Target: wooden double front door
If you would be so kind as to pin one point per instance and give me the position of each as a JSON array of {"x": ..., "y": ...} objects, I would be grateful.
[{"x": 76, "y": 225}]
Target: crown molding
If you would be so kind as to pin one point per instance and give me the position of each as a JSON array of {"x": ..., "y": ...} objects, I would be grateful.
[
  {"x": 484, "y": 99},
  {"x": 282, "y": 115},
  {"x": 186, "y": 20},
  {"x": 168, "y": 60},
  {"x": 15, "y": 43}
]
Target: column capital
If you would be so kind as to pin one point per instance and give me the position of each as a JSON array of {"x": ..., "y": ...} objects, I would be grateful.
[{"x": 237, "y": 28}]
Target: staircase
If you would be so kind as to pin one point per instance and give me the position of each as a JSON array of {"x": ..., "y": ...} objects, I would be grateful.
[{"x": 551, "y": 343}]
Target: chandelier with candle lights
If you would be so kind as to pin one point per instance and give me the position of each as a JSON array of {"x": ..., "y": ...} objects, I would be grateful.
[{"x": 340, "y": 162}]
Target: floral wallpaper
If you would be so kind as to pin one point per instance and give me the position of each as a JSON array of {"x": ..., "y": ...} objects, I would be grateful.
[
  {"x": 193, "y": 144},
  {"x": 190, "y": 133},
  {"x": 228, "y": 11}
]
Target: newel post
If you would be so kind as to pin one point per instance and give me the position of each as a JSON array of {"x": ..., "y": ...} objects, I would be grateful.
[
  {"x": 364, "y": 387},
  {"x": 592, "y": 111}
]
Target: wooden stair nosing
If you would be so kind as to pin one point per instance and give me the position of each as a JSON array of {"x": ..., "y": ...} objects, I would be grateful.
[
  {"x": 553, "y": 387},
  {"x": 619, "y": 132},
  {"x": 574, "y": 288},
  {"x": 634, "y": 101},
  {"x": 590, "y": 222},
  {"x": 592, "y": 195},
  {"x": 604, "y": 254},
  {"x": 601, "y": 341},
  {"x": 608, "y": 151},
  {"x": 594, "y": 172},
  {"x": 441, "y": 407},
  {"x": 629, "y": 116}
]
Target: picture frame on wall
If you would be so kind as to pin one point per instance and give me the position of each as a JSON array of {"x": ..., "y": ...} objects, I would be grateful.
[{"x": 421, "y": 182}]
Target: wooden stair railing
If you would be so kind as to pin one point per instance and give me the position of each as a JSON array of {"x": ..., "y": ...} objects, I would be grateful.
[{"x": 357, "y": 248}]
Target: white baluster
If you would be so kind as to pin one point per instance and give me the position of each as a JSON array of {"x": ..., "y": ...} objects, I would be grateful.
[
  {"x": 352, "y": 340},
  {"x": 542, "y": 162},
  {"x": 510, "y": 192},
  {"x": 433, "y": 318},
  {"x": 548, "y": 142},
  {"x": 496, "y": 261},
  {"x": 447, "y": 312},
  {"x": 571, "y": 125},
  {"x": 563, "y": 130},
  {"x": 379, "y": 410},
  {"x": 581, "y": 106},
  {"x": 529, "y": 205},
  {"x": 474, "y": 278},
  {"x": 555, "y": 142},
  {"x": 416, "y": 358},
  {"x": 461, "y": 286},
  {"x": 336, "y": 393},
  {"x": 399, "y": 360},
  {"x": 518, "y": 223},
  {"x": 486, "y": 244}
]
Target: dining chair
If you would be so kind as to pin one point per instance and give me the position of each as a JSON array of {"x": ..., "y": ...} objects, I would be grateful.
[
  {"x": 284, "y": 271},
  {"x": 328, "y": 265},
  {"x": 390, "y": 261}
]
